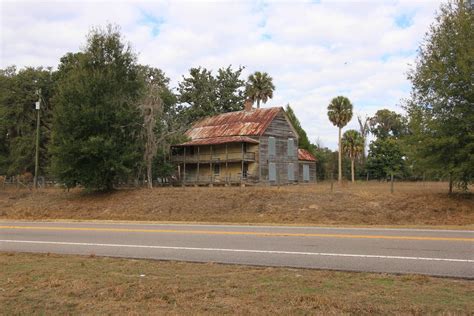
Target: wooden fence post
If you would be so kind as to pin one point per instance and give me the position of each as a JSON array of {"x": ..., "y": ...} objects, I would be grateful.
[
  {"x": 332, "y": 182},
  {"x": 391, "y": 183}
]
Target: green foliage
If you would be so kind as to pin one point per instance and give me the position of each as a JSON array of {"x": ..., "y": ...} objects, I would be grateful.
[
  {"x": 163, "y": 123},
  {"x": 18, "y": 118},
  {"x": 352, "y": 144},
  {"x": 385, "y": 157},
  {"x": 259, "y": 87},
  {"x": 340, "y": 111},
  {"x": 441, "y": 110},
  {"x": 198, "y": 90},
  {"x": 162, "y": 167},
  {"x": 303, "y": 141},
  {"x": 156, "y": 77},
  {"x": 206, "y": 94},
  {"x": 170, "y": 117},
  {"x": 96, "y": 121},
  {"x": 229, "y": 90},
  {"x": 326, "y": 166},
  {"x": 387, "y": 123}
]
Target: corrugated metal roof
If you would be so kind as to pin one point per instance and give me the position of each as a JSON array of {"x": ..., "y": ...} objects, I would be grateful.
[
  {"x": 219, "y": 140},
  {"x": 240, "y": 123},
  {"x": 305, "y": 155}
]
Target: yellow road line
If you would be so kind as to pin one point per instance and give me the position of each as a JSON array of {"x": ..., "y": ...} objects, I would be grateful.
[{"x": 210, "y": 232}]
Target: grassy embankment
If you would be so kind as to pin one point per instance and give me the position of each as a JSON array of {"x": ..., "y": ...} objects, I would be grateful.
[
  {"x": 412, "y": 204},
  {"x": 54, "y": 284}
]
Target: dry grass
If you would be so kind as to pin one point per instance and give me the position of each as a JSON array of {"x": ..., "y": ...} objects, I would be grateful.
[
  {"x": 412, "y": 204},
  {"x": 54, "y": 284}
]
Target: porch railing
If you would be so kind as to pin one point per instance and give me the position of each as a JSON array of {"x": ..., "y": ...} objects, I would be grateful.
[
  {"x": 234, "y": 178},
  {"x": 205, "y": 158}
]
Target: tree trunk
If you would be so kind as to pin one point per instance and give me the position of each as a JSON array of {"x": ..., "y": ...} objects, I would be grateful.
[
  {"x": 149, "y": 174},
  {"x": 339, "y": 179},
  {"x": 352, "y": 170},
  {"x": 450, "y": 183},
  {"x": 364, "y": 158},
  {"x": 258, "y": 103}
]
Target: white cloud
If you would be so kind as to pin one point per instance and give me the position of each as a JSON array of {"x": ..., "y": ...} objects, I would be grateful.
[{"x": 314, "y": 51}]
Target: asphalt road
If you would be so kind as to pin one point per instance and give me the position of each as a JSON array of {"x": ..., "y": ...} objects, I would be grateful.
[{"x": 433, "y": 252}]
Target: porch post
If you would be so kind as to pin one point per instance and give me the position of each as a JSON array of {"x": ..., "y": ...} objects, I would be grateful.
[
  {"x": 226, "y": 167},
  {"x": 210, "y": 164},
  {"x": 184, "y": 167},
  {"x": 242, "y": 164},
  {"x": 197, "y": 175}
]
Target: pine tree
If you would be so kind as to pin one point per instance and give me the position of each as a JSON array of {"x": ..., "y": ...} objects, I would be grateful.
[{"x": 303, "y": 141}]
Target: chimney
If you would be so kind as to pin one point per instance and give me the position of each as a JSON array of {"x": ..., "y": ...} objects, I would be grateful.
[{"x": 248, "y": 105}]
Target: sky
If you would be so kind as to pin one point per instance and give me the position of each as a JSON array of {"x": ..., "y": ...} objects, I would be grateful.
[{"x": 313, "y": 50}]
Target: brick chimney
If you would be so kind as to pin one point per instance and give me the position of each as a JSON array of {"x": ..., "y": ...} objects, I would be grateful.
[{"x": 248, "y": 104}]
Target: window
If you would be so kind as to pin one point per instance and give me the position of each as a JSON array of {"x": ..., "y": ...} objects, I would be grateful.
[
  {"x": 291, "y": 147},
  {"x": 291, "y": 172},
  {"x": 271, "y": 146},
  {"x": 217, "y": 169}
]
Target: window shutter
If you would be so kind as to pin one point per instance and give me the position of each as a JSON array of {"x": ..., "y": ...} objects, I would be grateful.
[
  {"x": 291, "y": 147},
  {"x": 306, "y": 172},
  {"x": 271, "y": 171},
  {"x": 291, "y": 172},
  {"x": 271, "y": 146}
]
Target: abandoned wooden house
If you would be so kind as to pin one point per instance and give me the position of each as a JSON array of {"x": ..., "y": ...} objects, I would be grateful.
[{"x": 249, "y": 146}]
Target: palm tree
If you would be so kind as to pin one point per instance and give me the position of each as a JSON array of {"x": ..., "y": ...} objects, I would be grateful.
[
  {"x": 353, "y": 145},
  {"x": 364, "y": 129},
  {"x": 259, "y": 87},
  {"x": 340, "y": 113}
]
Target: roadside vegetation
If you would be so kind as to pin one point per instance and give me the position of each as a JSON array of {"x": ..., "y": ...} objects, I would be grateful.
[
  {"x": 54, "y": 284},
  {"x": 411, "y": 204}
]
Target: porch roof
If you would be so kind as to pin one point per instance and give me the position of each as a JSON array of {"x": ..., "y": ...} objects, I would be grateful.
[
  {"x": 218, "y": 140},
  {"x": 305, "y": 155}
]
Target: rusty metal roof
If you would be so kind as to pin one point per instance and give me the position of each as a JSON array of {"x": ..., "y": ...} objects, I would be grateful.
[
  {"x": 219, "y": 140},
  {"x": 240, "y": 123},
  {"x": 305, "y": 155}
]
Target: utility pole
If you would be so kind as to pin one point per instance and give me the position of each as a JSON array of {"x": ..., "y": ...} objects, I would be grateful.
[{"x": 38, "y": 105}]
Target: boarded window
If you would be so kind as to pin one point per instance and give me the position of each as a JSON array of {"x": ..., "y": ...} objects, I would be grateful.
[
  {"x": 272, "y": 171},
  {"x": 305, "y": 172},
  {"x": 291, "y": 172},
  {"x": 245, "y": 171},
  {"x": 217, "y": 169},
  {"x": 271, "y": 146},
  {"x": 291, "y": 147}
]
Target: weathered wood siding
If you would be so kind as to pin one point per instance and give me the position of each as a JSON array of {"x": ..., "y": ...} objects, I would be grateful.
[
  {"x": 207, "y": 157},
  {"x": 312, "y": 171},
  {"x": 281, "y": 130}
]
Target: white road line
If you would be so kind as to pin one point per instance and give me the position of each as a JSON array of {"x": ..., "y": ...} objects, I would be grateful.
[
  {"x": 108, "y": 223},
  {"x": 238, "y": 250}
]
